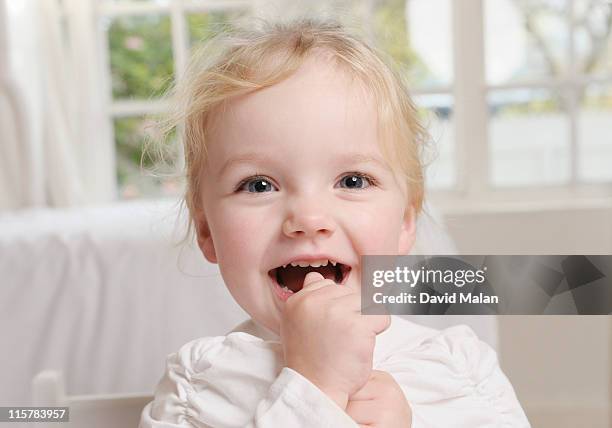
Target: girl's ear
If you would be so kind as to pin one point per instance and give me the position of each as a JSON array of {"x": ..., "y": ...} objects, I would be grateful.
[
  {"x": 205, "y": 241},
  {"x": 408, "y": 231}
]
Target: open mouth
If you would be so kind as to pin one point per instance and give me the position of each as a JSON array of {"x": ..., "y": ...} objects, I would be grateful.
[{"x": 290, "y": 278}]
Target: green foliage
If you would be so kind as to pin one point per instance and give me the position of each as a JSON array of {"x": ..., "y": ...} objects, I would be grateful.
[
  {"x": 204, "y": 25},
  {"x": 392, "y": 37},
  {"x": 598, "y": 97},
  {"x": 139, "y": 172},
  {"x": 140, "y": 56},
  {"x": 142, "y": 68},
  {"x": 129, "y": 147}
]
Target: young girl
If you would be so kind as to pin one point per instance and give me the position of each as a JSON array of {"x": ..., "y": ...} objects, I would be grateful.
[{"x": 302, "y": 153}]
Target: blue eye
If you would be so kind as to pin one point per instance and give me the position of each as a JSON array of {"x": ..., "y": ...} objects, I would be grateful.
[
  {"x": 256, "y": 185},
  {"x": 356, "y": 181}
]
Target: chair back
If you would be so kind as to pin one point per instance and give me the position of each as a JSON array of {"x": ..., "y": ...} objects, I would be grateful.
[{"x": 88, "y": 411}]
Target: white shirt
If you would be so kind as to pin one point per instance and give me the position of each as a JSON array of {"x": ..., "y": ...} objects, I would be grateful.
[{"x": 450, "y": 378}]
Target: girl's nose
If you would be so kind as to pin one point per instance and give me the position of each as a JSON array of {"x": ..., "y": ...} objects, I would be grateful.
[{"x": 308, "y": 223}]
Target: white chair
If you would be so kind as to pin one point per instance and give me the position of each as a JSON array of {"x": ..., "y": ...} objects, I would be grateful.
[{"x": 87, "y": 411}]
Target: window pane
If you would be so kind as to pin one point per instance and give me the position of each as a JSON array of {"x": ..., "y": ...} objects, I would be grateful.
[
  {"x": 593, "y": 36},
  {"x": 140, "y": 56},
  {"x": 141, "y": 175},
  {"x": 436, "y": 113},
  {"x": 426, "y": 49},
  {"x": 595, "y": 134},
  {"x": 525, "y": 39},
  {"x": 402, "y": 28},
  {"x": 529, "y": 135},
  {"x": 205, "y": 24}
]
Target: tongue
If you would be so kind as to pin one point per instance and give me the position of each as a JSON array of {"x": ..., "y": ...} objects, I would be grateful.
[{"x": 293, "y": 276}]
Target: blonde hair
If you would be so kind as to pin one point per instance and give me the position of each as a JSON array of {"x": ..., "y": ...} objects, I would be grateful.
[{"x": 238, "y": 61}]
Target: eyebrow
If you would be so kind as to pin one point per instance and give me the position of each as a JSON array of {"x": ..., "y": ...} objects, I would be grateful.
[
  {"x": 244, "y": 158},
  {"x": 347, "y": 158},
  {"x": 360, "y": 158}
]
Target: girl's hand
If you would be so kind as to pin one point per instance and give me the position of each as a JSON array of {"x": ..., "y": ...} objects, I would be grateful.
[
  {"x": 380, "y": 403},
  {"x": 327, "y": 340}
]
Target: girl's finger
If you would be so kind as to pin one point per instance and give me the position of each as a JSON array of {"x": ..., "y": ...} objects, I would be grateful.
[
  {"x": 376, "y": 323},
  {"x": 312, "y": 278},
  {"x": 351, "y": 301},
  {"x": 313, "y": 281}
]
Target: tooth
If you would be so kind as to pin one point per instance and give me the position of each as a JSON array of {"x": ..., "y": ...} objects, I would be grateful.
[
  {"x": 315, "y": 264},
  {"x": 303, "y": 264},
  {"x": 284, "y": 266},
  {"x": 294, "y": 264},
  {"x": 324, "y": 263},
  {"x": 333, "y": 263}
]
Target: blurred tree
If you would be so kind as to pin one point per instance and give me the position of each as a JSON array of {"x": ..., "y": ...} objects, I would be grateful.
[
  {"x": 202, "y": 26},
  {"x": 141, "y": 68},
  {"x": 392, "y": 36},
  {"x": 140, "y": 56},
  {"x": 593, "y": 23},
  {"x": 151, "y": 173}
]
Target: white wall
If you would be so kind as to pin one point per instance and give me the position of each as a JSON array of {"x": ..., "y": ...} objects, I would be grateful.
[{"x": 560, "y": 366}]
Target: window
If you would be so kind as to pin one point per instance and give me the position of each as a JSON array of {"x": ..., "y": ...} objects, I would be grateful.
[
  {"x": 549, "y": 77},
  {"x": 542, "y": 122},
  {"x": 148, "y": 44}
]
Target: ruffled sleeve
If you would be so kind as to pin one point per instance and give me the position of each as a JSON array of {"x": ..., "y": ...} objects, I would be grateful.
[
  {"x": 237, "y": 381},
  {"x": 453, "y": 379}
]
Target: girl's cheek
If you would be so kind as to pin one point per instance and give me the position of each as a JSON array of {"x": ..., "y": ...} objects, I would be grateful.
[
  {"x": 376, "y": 229},
  {"x": 236, "y": 236}
]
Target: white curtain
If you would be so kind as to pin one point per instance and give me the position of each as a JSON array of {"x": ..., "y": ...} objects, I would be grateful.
[
  {"x": 56, "y": 140},
  {"x": 20, "y": 165}
]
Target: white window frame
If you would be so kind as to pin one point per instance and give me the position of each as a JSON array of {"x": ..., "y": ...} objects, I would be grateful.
[
  {"x": 176, "y": 10},
  {"x": 473, "y": 190}
]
